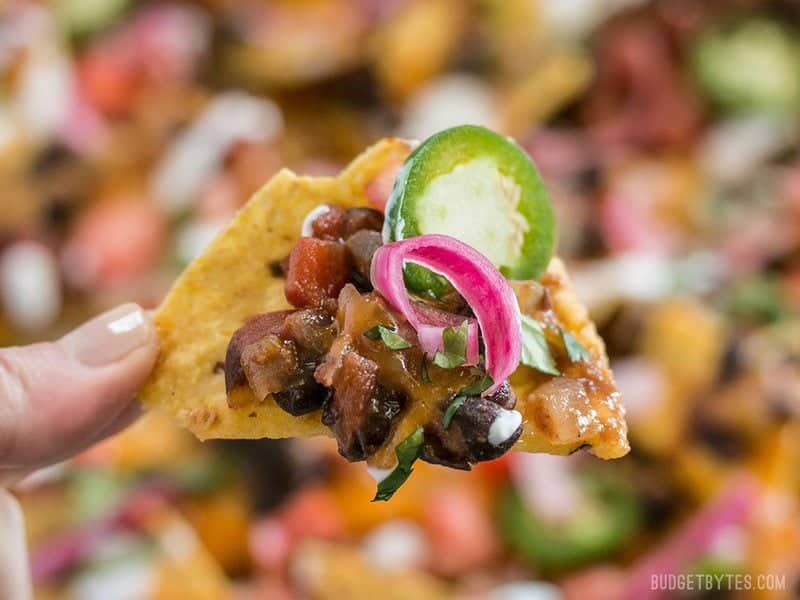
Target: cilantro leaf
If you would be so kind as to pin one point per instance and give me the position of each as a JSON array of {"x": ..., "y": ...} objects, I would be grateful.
[
  {"x": 755, "y": 299},
  {"x": 454, "y": 342},
  {"x": 535, "y": 352},
  {"x": 389, "y": 337},
  {"x": 452, "y": 409},
  {"x": 481, "y": 385},
  {"x": 447, "y": 361},
  {"x": 575, "y": 350},
  {"x": 407, "y": 451},
  {"x": 423, "y": 370},
  {"x": 373, "y": 333}
]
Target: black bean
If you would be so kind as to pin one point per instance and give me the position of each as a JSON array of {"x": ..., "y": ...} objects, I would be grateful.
[
  {"x": 475, "y": 419},
  {"x": 466, "y": 440},
  {"x": 305, "y": 396},
  {"x": 361, "y": 246},
  {"x": 504, "y": 396},
  {"x": 361, "y": 219}
]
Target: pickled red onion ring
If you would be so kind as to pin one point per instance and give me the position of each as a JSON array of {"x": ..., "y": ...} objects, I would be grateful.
[
  {"x": 731, "y": 508},
  {"x": 473, "y": 276},
  {"x": 433, "y": 323}
]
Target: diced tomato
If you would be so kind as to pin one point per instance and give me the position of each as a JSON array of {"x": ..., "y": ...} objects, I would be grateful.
[
  {"x": 318, "y": 270},
  {"x": 113, "y": 242},
  {"x": 312, "y": 512},
  {"x": 628, "y": 225},
  {"x": 250, "y": 164},
  {"x": 379, "y": 189},
  {"x": 270, "y": 544},
  {"x": 220, "y": 198},
  {"x": 494, "y": 471},
  {"x": 459, "y": 530},
  {"x": 268, "y": 587},
  {"x": 596, "y": 583},
  {"x": 158, "y": 46},
  {"x": 109, "y": 80},
  {"x": 790, "y": 188},
  {"x": 790, "y": 285}
]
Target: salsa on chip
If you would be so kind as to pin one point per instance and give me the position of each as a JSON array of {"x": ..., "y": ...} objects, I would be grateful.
[{"x": 444, "y": 331}]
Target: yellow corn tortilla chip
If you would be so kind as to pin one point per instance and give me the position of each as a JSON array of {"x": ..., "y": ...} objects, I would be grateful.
[
  {"x": 600, "y": 423},
  {"x": 232, "y": 281}
]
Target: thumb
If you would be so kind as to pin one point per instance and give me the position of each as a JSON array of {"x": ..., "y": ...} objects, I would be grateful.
[{"x": 58, "y": 398}]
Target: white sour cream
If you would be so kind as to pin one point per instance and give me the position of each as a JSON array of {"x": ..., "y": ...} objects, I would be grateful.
[
  {"x": 306, "y": 230},
  {"x": 503, "y": 427}
]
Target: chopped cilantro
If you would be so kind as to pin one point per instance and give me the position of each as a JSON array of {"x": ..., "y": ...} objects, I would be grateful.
[
  {"x": 455, "y": 347},
  {"x": 575, "y": 350},
  {"x": 755, "y": 300},
  {"x": 480, "y": 386},
  {"x": 389, "y": 337},
  {"x": 473, "y": 389},
  {"x": 423, "y": 370},
  {"x": 452, "y": 409},
  {"x": 407, "y": 451},
  {"x": 535, "y": 352}
]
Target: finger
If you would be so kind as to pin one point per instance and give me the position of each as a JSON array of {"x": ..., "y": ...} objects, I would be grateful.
[
  {"x": 14, "y": 578},
  {"x": 15, "y": 478},
  {"x": 57, "y": 398},
  {"x": 129, "y": 415}
]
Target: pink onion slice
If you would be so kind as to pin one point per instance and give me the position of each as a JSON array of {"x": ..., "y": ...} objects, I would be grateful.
[
  {"x": 732, "y": 507},
  {"x": 433, "y": 323},
  {"x": 65, "y": 550},
  {"x": 473, "y": 276}
]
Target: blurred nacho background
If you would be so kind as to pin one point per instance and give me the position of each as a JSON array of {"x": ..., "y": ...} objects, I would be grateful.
[{"x": 667, "y": 130}]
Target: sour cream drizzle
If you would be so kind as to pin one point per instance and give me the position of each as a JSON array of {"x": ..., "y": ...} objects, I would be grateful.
[
  {"x": 306, "y": 230},
  {"x": 504, "y": 425}
]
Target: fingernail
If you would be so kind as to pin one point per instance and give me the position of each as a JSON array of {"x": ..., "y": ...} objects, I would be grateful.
[{"x": 111, "y": 336}]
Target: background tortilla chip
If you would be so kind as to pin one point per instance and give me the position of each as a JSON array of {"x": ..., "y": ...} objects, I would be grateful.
[{"x": 231, "y": 282}]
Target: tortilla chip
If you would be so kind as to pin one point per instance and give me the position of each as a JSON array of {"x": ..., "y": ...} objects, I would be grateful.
[
  {"x": 601, "y": 423},
  {"x": 232, "y": 281}
]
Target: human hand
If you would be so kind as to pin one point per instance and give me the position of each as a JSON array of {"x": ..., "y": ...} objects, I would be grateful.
[
  {"x": 57, "y": 399},
  {"x": 60, "y": 397}
]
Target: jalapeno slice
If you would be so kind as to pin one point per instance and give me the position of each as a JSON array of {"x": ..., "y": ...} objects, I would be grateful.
[
  {"x": 607, "y": 519},
  {"x": 481, "y": 188},
  {"x": 754, "y": 65}
]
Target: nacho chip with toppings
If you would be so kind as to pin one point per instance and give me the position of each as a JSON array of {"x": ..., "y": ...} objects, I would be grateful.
[{"x": 446, "y": 332}]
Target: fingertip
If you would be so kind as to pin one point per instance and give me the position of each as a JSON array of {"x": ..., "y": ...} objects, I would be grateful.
[
  {"x": 117, "y": 351},
  {"x": 66, "y": 395},
  {"x": 114, "y": 336}
]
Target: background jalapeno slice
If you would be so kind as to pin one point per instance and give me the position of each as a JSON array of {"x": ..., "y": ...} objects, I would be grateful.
[
  {"x": 607, "y": 519},
  {"x": 481, "y": 188},
  {"x": 749, "y": 66}
]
